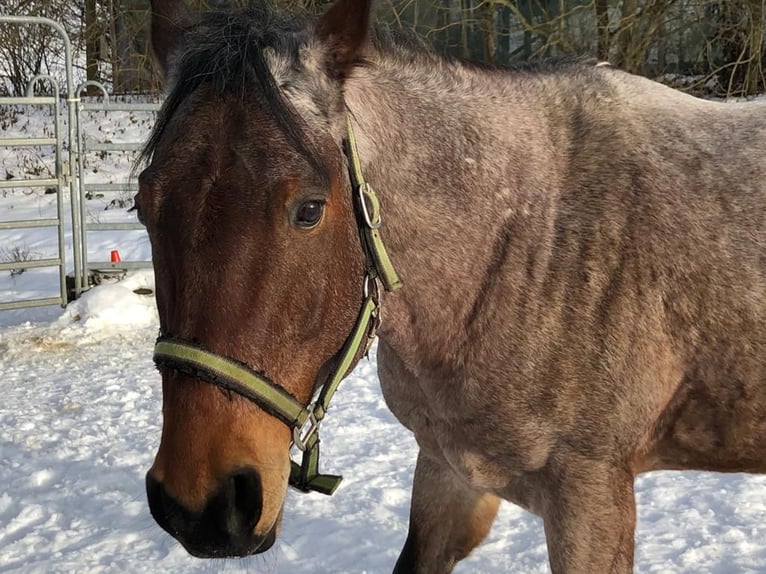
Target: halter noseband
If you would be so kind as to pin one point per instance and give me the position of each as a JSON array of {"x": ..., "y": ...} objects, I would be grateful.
[{"x": 232, "y": 375}]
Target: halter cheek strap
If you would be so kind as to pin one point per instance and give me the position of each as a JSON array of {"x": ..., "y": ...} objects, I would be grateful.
[
  {"x": 367, "y": 207},
  {"x": 196, "y": 361}
]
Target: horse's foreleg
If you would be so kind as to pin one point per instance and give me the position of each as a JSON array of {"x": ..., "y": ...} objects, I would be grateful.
[
  {"x": 448, "y": 519},
  {"x": 590, "y": 521}
]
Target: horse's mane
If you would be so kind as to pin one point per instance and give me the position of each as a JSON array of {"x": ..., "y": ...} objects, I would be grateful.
[{"x": 225, "y": 52}]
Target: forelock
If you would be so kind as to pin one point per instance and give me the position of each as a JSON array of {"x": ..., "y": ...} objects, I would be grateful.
[{"x": 255, "y": 52}]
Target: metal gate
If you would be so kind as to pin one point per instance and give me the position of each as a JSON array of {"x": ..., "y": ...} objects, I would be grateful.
[
  {"x": 60, "y": 179},
  {"x": 70, "y": 178},
  {"x": 89, "y": 144}
]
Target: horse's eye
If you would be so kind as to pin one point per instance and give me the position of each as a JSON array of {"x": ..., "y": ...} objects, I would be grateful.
[
  {"x": 308, "y": 213},
  {"x": 137, "y": 208}
]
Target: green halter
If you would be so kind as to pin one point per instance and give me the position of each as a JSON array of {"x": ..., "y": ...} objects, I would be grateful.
[{"x": 233, "y": 375}]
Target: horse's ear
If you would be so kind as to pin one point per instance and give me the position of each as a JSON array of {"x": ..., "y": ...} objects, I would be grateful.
[
  {"x": 169, "y": 19},
  {"x": 344, "y": 28}
]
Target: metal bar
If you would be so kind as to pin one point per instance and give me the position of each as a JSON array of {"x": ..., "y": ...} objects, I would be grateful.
[
  {"x": 120, "y": 265},
  {"x": 60, "y": 203},
  {"x": 119, "y": 107},
  {"x": 19, "y": 142},
  {"x": 31, "y": 85},
  {"x": 31, "y": 264},
  {"x": 101, "y": 87},
  {"x": 78, "y": 250},
  {"x": 32, "y": 303},
  {"x": 107, "y": 186},
  {"x": 27, "y": 223},
  {"x": 114, "y": 227},
  {"x": 11, "y": 183},
  {"x": 91, "y": 145},
  {"x": 28, "y": 100},
  {"x": 78, "y": 216}
]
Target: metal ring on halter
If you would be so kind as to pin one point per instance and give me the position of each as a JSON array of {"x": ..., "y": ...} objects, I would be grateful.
[{"x": 363, "y": 189}]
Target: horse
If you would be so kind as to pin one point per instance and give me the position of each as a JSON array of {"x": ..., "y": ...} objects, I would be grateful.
[{"x": 571, "y": 261}]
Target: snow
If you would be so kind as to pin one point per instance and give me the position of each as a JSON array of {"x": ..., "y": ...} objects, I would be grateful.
[
  {"x": 114, "y": 307},
  {"x": 80, "y": 421}
]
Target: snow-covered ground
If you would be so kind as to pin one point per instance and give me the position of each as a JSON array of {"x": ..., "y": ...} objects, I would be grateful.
[{"x": 80, "y": 422}]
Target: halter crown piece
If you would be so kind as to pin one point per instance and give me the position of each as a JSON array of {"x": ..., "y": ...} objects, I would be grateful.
[{"x": 194, "y": 360}]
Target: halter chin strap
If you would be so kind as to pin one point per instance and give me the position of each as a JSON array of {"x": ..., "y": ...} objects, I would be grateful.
[{"x": 194, "y": 360}]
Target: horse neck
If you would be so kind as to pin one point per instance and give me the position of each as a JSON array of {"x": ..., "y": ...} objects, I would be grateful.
[{"x": 449, "y": 153}]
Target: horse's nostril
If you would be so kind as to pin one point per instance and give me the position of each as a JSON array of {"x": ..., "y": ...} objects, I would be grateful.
[
  {"x": 247, "y": 495},
  {"x": 239, "y": 505}
]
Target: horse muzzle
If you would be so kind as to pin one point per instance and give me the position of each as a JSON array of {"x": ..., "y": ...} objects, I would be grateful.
[{"x": 225, "y": 527}]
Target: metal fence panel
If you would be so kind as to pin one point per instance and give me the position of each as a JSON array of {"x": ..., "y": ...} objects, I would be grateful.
[
  {"x": 59, "y": 183},
  {"x": 91, "y": 143}
]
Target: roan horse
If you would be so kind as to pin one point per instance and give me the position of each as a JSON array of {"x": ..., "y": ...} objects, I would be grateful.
[{"x": 583, "y": 260}]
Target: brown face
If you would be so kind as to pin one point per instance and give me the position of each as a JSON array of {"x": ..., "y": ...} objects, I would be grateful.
[{"x": 256, "y": 257}]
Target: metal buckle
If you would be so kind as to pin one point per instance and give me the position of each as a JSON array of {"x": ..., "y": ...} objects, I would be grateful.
[
  {"x": 372, "y": 334},
  {"x": 366, "y": 189},
  {"x": 374, "y": 292},
  {"x": 375, "y": 318},
  {"x": 303, "y": 433}
]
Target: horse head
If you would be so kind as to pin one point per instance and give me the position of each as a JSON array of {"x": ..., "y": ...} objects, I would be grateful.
[{"x": 256, "y": 251}]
